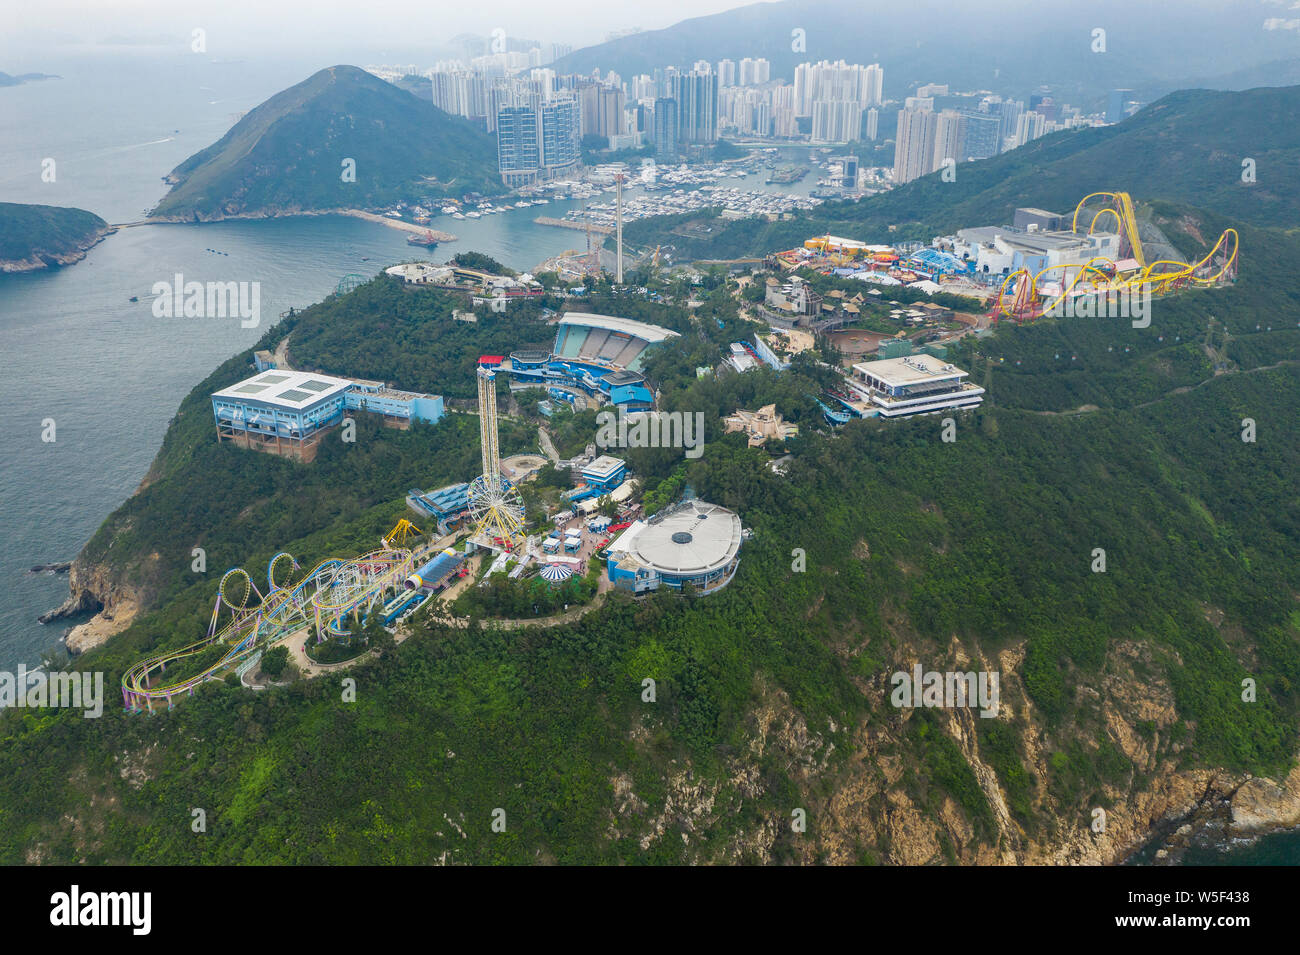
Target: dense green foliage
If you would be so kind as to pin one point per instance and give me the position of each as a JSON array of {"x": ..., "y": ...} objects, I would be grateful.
[
  {"x": 288, "y": 154},
  {"x": 404, "y": 335},
  {"x": 988, "y": 538},
  {"x": 37, "y": 232},
  {"x": 874, "y": 548}
]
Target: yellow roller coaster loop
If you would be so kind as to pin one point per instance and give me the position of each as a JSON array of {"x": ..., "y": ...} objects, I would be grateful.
[
  {"x": 1020, "y": 296},
  {"x": 1126, "y": 221}
]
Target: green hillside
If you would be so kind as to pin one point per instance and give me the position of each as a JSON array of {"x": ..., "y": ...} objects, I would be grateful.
[
  {"x": 30, "y": 232},
  {"x": 916, "y": 549},
  {"x": 287, "y": 154},
  {"x": 878, "y": 546}
]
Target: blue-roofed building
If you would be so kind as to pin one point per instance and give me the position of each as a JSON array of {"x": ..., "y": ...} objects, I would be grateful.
[
  {"x": 435, "y": 574},
  {"x": 632, "y": 397},
  {"x": 937, "y": 263},
  {"x": 448, "y": 506}
]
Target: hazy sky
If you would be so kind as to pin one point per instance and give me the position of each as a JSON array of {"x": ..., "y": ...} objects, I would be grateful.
[{"x": 369, "y": 24}]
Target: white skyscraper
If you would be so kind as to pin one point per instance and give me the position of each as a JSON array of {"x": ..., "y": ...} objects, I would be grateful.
[
  {"x": 914, "y": 145},
  {"x": 875, "y": 83},
  {"x": 836, "y": 121},
  {"x": 947, "y": 138}
]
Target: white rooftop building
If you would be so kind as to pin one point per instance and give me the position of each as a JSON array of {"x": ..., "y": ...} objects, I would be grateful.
[
  {"x": 914, "y": 384},
  {"x": 694, "y": 543}
]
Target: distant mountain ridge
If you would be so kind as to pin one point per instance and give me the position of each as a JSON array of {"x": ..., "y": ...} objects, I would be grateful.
[
  {"x": 288, "y": 155},
  {"x": 1013, "y": 46}
]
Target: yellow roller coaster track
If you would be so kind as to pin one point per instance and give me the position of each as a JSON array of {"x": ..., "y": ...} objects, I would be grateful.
[{"x": 1159, "y": 277}]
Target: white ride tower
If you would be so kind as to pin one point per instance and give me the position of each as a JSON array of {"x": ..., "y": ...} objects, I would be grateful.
[{"x": 494, "y": 502}]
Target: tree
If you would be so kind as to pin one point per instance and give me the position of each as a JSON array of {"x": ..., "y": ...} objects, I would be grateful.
[{"x": 274, "y": 661}]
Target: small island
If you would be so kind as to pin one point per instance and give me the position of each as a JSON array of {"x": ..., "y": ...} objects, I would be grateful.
[
  {"x": 34, "y": 237},
  {"x": 9, "y": 79}
]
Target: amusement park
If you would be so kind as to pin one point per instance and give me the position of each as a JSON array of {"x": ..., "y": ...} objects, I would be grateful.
[
  {"x": 1042, "y": 265},
  {"x": 343, "y": 598},
  {"x": 1038, "y": 265},
  {"x": 338, "y": 596}
]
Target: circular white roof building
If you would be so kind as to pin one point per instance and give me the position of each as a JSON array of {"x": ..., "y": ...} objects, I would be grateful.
[{"x": 694, "y": 542}]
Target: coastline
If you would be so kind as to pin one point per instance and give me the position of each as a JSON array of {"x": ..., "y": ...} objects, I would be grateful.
[
  {"x": 39, "y": 260},
  {"x": 398, "y": 224},
  {"x": 1233, "y": 811}
]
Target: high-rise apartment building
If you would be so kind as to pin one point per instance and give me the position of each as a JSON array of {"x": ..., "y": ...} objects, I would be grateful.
[
  {"x": 836, "y": 81},
  {"x": 914, "y": 144},
  {"x": 836, "y": 121},
  {"x": 948, "y": 135},
  {"x": 754, "y": 72},
  {"x": 665, "y": 130},
  {"x": 696, "y": 94},
  {"x": 873, "y": 124},
  {"x": 537, "y": 139},
  {"x": 982, "y": 137},
  {"x": 462, "y": 93}
]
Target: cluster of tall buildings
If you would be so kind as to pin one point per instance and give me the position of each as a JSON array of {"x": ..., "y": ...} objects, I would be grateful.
[
  {"x": 514, "y": 94},
  {"x": 539, "y": 131},
  {"x": 541, "y": 117},
  {"x": 927, "y": 140}
]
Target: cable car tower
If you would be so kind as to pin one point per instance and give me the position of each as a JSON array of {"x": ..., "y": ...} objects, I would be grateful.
[{"x": 494, "y": 502}]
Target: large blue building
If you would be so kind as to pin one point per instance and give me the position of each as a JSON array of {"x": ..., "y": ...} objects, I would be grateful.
[
  {"x": 286, "y": 412},
  {"x": 399, "y": 408},
  {"x": 280, "y": 412}
]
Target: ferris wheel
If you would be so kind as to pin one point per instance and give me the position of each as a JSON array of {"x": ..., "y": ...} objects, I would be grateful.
[{"x": 496, "y": 509}]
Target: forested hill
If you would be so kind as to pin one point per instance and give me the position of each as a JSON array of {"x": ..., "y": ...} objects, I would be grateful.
[
  {"x": 36, "y": 237},
  {"x": 1188, "y": 147},
  {"x": 1120, "y": 689},
  {"x": 288, "y": 154}
]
